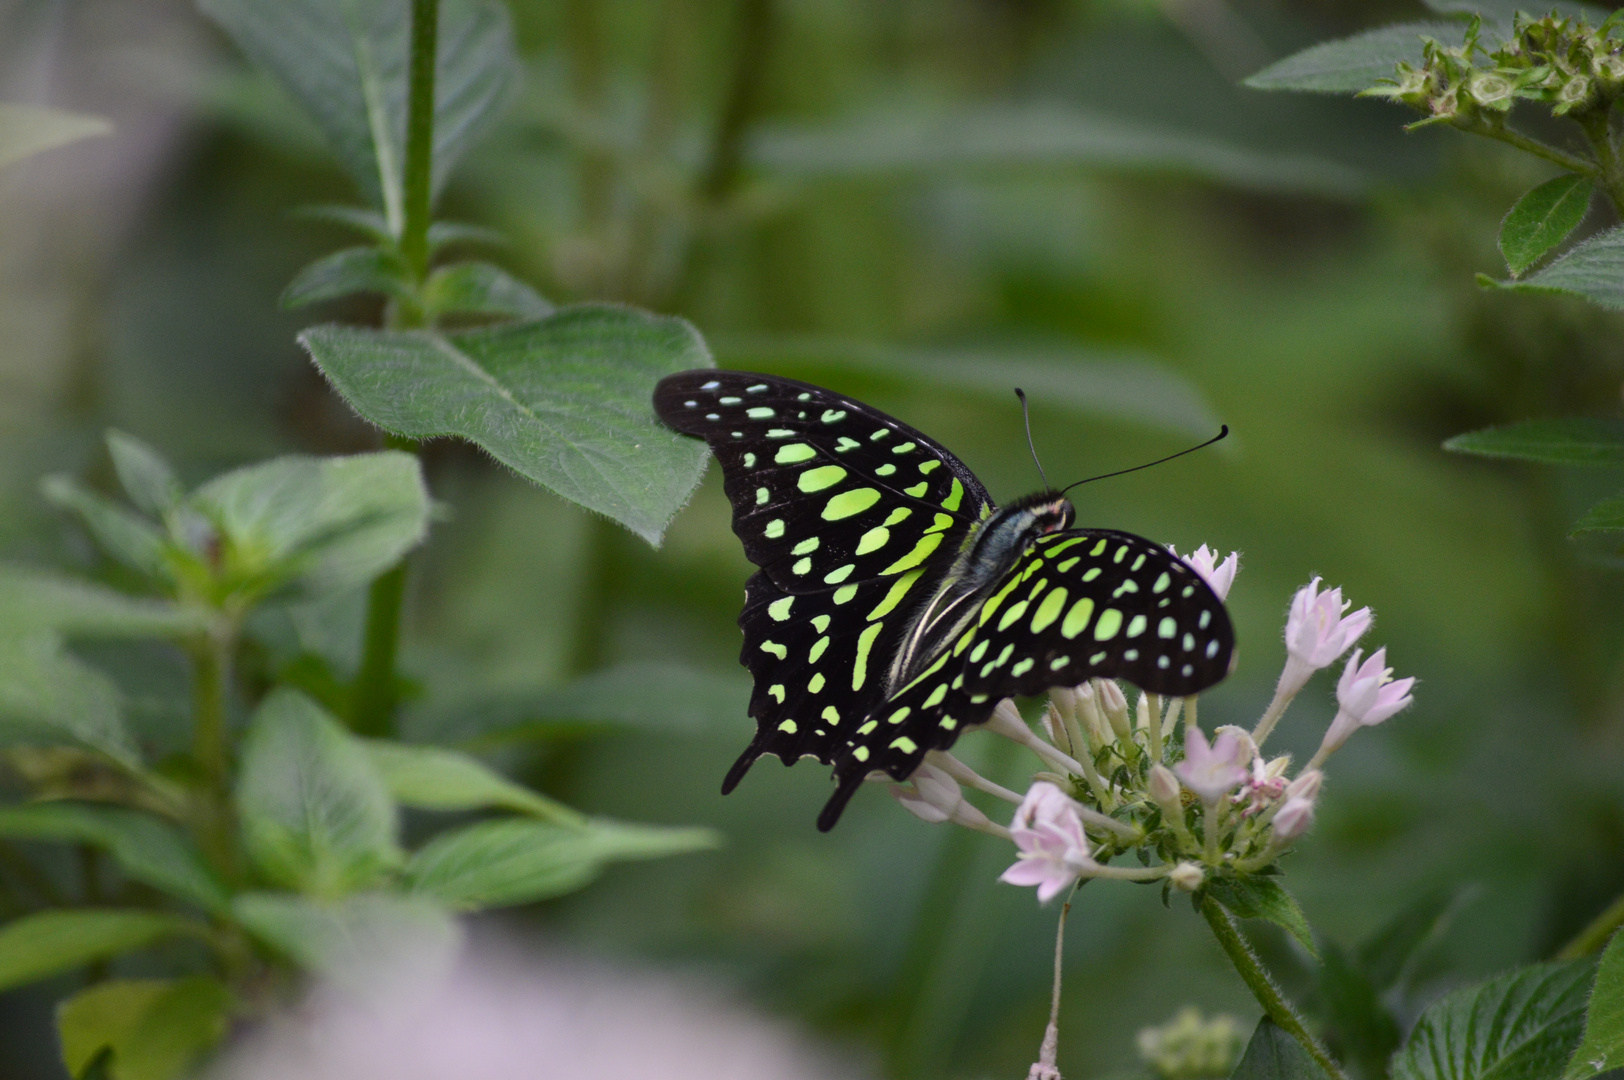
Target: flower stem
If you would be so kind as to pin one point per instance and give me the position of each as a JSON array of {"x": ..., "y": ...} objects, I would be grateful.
[
  {"x": 1257, "y": 980},
  {"x": 961, "y": 772},
  {"x": 1593, "y": 937},
  {"x": 1271, "y": 716},
  {"x": 373, "y": 697},
  {"x": 211, "y": 665},
  {"x": 1598, "y": 129},
  {"x": 1046, "y": 1066},
  {"x": 1015, "y": 729},
  {"x": 1570, "y": 162},
  {"x": 1155, "y": 726}
]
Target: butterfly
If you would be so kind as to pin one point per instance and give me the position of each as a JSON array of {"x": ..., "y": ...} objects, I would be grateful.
[{"x": 896, "y": 605}]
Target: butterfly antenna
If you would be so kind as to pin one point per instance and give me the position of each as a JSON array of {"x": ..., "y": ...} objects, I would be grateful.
[
  {"x": 1026, "y": 415},
  {"x": 1222, "y": 432}
]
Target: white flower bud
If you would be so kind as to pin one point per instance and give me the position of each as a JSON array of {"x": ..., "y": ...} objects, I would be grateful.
[
  {"x": 1245, "y": 748},
  {"x": 1306, "y": 786},
  {"x": 1163, "y": 787},
  {"x": 1187, "y": 876},
  {"x": 932, "y": 795},
  {"x": 1275, "y": 769},
  {"x": 1294, "y": 819},
  {"x": 1093, "y": 720},
  {"x": 1054, "y": 729},
  {"x": 1115, "y": 708}
]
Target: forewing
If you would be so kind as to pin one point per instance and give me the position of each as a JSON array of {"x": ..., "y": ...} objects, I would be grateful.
[
  {"x": 1081, "y": 604},
  {"x": 852, "y": 516}
]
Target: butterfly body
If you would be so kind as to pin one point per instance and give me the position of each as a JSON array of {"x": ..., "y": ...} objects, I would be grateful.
[{"x": 896, "y": 604}]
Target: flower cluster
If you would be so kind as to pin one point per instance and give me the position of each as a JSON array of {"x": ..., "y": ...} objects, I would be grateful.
[
  {"x": 1122, "y": 779},
  {"x": 1192, "y": 1047},
  {"x": 1560, "y": 62}
]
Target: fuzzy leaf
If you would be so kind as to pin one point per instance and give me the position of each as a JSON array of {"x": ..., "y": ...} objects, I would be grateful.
[
  {"x": 47, "y": 697},
  {"x": 481, "y": 288},
  {"x": 1561, "y": 441},
  {"x": 1263, "y": 898},
  {"x": 345, "y": 273},
  {"x": 146, "y": 476},
  {"x": 430, "y": 778},
  {"x": 328, "y": 523},
  {"x": 26, "y": 130},
  {"x": 156, "y": 1029},
  {"x": 1542, "y": 219},
  {"x": 316, "y": 815},
  {"x": 346, "y": 940},
  {"x": 1352, "y": 64},
  {"x": 443, "y": 234},
  {"x": 563, "y": 401},
  {"x": 1603, "y": 1045},
  {"x": 146, "y": 848},
  {"x": 1523, "y": 1025},
  {"x": 1387, "y": 956},
  {"x": 347, "y": 64},
  {"x": 38, "y": 946},
  {"x": 123, "y": 534},
  {"x": 1605, "y": 516},
  {"x": 1593, "y": 270},
  {"x": 497, "y": 863},
  {"x": 35, "y": 600},
  {"x": 1273, "y": 1055}
]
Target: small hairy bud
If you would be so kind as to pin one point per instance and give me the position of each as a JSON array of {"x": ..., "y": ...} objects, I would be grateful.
[{"x": 1187, "y": 876}]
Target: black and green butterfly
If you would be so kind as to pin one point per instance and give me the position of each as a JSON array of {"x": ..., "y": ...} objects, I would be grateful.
[{"x": 896, "y": 605}]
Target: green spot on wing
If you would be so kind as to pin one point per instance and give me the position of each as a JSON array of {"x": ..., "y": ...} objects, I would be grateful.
[{"x": 850, "y": 502}]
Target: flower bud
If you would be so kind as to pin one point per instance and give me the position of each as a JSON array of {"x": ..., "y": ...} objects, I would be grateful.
[
  {"x": 1294, "y": 819},
  {"x": 1306, "y": 786},
  {"x": 1093, "y": 720},
  {"x": 1141, "y": 711},
  {"x": 1187, "y": 876},
  {"x": 1114, "y": 707},
  {"x": 1054, "y": 729},
  {"x": 1245, "y": 748},
  {"x": 1163, "y": 787},
  {"x": 932, "y": 795}
]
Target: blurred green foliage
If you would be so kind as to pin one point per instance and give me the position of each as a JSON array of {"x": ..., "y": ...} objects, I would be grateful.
[{"x": 744, "y": 165}]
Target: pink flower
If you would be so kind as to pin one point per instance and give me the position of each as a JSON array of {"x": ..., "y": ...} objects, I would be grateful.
[
  {"x": 1317, "y": 632},
  {"x": 1212, "y": 771},
  {"x": 933, "y": 795},
  {"x": 1365, "y": 696},
  {"x": 1219, "y": 575},
  {"x": 1049, "y": 832}
]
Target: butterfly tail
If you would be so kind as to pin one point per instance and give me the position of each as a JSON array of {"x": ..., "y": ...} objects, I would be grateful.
[
  {"x": 742, "y": 766},
  {"x": 830, "y": 814}
]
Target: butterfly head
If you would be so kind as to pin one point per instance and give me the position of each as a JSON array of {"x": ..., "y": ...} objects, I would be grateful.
[{"x": 1045, "y": 512}]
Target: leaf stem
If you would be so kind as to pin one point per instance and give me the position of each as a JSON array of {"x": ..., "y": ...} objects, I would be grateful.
[
  {"x": 1257, "y": 980},
  {"x": 419, "y": 180},
  {"x": 1571, "y": 162},
  {"x": 1596, "y": 934},
  {"x": 1598, "y": 129}
]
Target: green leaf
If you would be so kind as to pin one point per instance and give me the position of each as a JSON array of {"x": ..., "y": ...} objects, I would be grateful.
[
  {"x": 47, "y": 697},
  {"x": 1603, "y": 1045},
  {"x": 1523, "y": 1025},
  {"x": 481, "y": 288},
  {"x": 1036, "y": 135},
  {"x": 26, "y": 130},
  {"x": 636, "y": 697},
  {"x": 1593, "y": 270},
  {"x": 156, "y": 1029},
  {"x": 563, "y": 401},
  {"x": 1502, "y": 11},
  {"x": 1542, "y": 219},
  {"x": 430, "y": 778},
  {"x": 316, "y": 815},
  {"x": 444, "y": 234},
  {"x": 1387, "y": 956},
  {"x": 347, "y": 66},
  {"x": 369, "y": 223},
  {"x": 326, "y": 523},
  {"x": 35, "y": 600},
  {"x": 147, "y": 849},
  {"x": 1605, "y": 516},
  {"x": 38, "y": 946},
  {"x": 511, "y": 861},
  {"x": 147, "y": 478},
  {"x": 1356, "y": 63},
  {"x": 1263, "y": 898},
  {"x": 1274, "y": 1055},
  {"x": 1361, "y": 1031},
  {"x": 123, "y": 534},
  {"x": 1560, "y": 441},
  {"x": 346, "y": 940},
  {"x": 345, "y": 273},
  {"x": 1121, "y": 385}
]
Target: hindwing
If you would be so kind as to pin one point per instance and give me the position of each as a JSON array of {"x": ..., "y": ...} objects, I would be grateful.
[
  {"x": 1080, "y": 604},
  {"x": 853, "y": 517}
]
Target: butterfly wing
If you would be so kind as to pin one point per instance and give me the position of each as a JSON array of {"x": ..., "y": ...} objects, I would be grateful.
[
  {"x": 1081, "y": 604},
  {"x": 852, "y": 516}
]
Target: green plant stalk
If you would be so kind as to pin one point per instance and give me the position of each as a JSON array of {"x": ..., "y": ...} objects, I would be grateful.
[
  {"x": 212, "y": 817},
  {"x": 1598, "y": 129},
  {"x": 373, "y": 698},
  {"x": 1596, "y": 935},
  {"x": 414, "y": 238},
  {"x": 1571, "y": 162},
  {"x": 1262, "y": 986}
]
